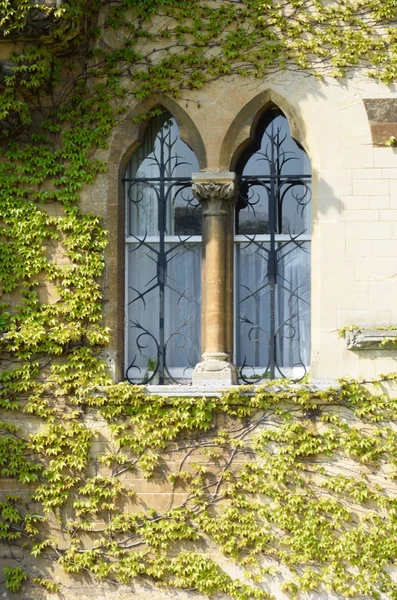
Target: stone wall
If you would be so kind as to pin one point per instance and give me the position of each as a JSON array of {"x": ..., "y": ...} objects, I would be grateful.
[
  {"x": 342, "y": 125},
  {"x": 354, "y": 198},
  {"x": 354, "y": 267}
]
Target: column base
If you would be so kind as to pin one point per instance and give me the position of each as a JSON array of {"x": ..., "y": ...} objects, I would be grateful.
[{"x": 215, "y": 371}]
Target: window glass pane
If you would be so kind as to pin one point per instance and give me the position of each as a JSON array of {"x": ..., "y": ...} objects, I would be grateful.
[
  {"x": 293, "y": 306},
  {"x": 181, "y": 335},
  {"x": 252, "y": 307},
  {"x": 253, "y": 216},
  {"x": 182, "y": 301},
  {"x": 280, "y": 169},
  {"x": 295, "y": 199},
  {"x": 278, "y": 151},
  {"x": 156, "y": 200},
  {"x": 187, "y": 216},
  {"x": 143, "y": 306}
]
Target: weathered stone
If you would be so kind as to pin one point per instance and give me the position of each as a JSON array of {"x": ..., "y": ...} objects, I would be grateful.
[
  {"x": 381, "y": 110},
  {"x": 370, "y": 339},
  {"x": 214, "y": 371},
  {"x": 217, "y": 194},
  {"x": 381, "y": 132}
]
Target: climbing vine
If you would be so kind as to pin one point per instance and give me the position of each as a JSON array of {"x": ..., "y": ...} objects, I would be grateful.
[{"x": 319, "y": 501}]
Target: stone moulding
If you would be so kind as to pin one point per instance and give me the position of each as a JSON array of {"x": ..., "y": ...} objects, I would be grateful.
[
  {"x": 371, "y": 339},
  {"x": 382, "y": 116}
]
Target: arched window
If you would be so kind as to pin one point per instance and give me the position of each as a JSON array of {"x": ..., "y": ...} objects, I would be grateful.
[
  {"x": 272, "y": 255},
  {"x": 163, "y": 258}
]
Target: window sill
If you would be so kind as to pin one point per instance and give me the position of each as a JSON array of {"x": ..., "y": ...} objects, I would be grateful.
[{"x": 212, "y": 391}]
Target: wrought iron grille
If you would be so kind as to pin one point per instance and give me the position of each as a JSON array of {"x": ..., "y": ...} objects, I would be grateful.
[
  {"x": 273, "y": 226},
  {"x": 163, "y": 257}
]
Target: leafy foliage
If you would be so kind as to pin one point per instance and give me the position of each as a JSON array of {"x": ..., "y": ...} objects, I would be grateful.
[
  {"x": 319, "y": 499},
  {"x": 14, "y": 578},
  {"x": 318, "y": 502}
]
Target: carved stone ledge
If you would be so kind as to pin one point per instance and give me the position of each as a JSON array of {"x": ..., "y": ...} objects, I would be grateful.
[{"x": 371, "y": 339}]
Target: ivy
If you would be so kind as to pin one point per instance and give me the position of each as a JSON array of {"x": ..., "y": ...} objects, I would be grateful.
[
  {"x": 14, "y": 578},
  {"x": 319, "y": 498},
  {"x": 316, "y": 509}
]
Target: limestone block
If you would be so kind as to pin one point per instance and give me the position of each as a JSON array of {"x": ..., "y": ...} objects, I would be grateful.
[
  {"x": 366, "y": 318},
  {"x": 385, "y": 157},
  {"x": 328, "y": 312},
  {"x": 358, "y": 156},
  {"x": 326, "y": 363},
  {"x": 387, "y": 365},
  {"x": 369, "y": 231},
  {"x": 337, "y": 181},
  {"x": 356, "y": 248},
  {"x": 368, "y": 174},
  {"x": 371, "y": 187},
  {"x": 355, "y": 202},
  {"x": 352, "y": 301},
  {"x": 390, "y": 173},
  {"x": 386, "y": 248},
  {"x": 373, "y": 269},
  {"x": 160, "y": 502},
  {"x": 327, "y": 207},
  {"x": 366, "y": 367},
  {"x": 379, "y": 202},
  {"x": 352, "y": 120},
  {"x": 361, "y": 215},
  {"x": 48, "y": 294},
  {"x": 344, "y": 283},
  {"x": 382, "y": 294},
  {"x": 361, "y": 287},
  {"x": 388, "y": 215},
  {"x": 393, "y": 193},
  {"x": 330, "y": 235},
  {"x": 72, "y": 589}
]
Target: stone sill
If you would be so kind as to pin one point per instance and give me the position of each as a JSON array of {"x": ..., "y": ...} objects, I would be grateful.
[
  {"x": 213, "y": 390},
  {"x": 371, "y": 339}
]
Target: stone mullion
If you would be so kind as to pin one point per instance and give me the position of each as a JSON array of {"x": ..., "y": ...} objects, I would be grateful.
[{"x": 216, "y": 192}]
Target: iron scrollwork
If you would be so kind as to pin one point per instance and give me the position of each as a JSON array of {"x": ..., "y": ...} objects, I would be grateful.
[
  {"x": 163, "y": 301},
  {"x": 273, "y": 225}
]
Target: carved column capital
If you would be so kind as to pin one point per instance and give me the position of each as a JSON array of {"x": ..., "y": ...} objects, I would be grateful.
[{"x": 216, "y": 191}]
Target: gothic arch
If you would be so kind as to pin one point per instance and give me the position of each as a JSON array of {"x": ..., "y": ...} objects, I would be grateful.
[
  {"x": 241, "y": 132},
  {"x": 129, "y": 134},
  {"x": 126, "y": 140}
]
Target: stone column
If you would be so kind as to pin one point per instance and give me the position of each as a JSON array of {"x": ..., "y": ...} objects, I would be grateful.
[{"x": 216, "y": 192}]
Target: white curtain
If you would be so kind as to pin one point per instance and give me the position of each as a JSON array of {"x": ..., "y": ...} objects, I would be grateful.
[{"x": 292, "y": 308}]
